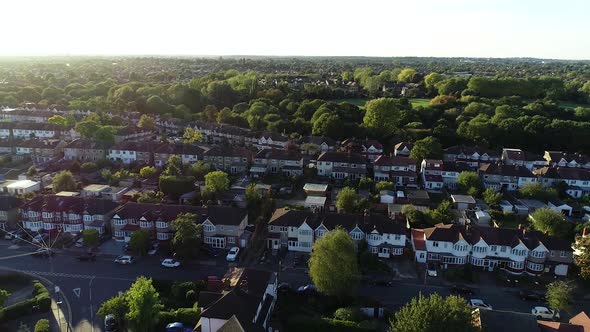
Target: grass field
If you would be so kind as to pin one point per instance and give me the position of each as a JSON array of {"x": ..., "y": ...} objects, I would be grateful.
[{"x": 360, "y": 102}]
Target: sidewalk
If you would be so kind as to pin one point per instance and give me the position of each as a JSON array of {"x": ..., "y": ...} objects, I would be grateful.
[{"x": 59, "y": 321}]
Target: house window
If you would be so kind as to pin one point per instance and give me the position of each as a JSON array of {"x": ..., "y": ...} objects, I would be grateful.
[
  {"x": 357, "y": 235},
  {"x": 516, "y": 265},
  {"x": 304, "y": 232},
  {"x": 562, "y": 254},
  {"x": 305, "y": 244},
  {"x": 119, "y": 234},
  {"x": 517, "y": 252},
  {"x": 502, "y": 249},
  {"x": 374, "y": 237},
  {"x": 553, "y": 254},
  {"x": 494, "y": 248},
  {"x": 534, "y": 266},
  {"x": 375, "y": 250},
  {"x": 119, "y": 222},
  {"x": 422, "y": 255},
  {"x": 460, "y": 247},
  {"x": 398, "y": 237},
  {"x": 292, "y": 243},
  {"x": 231, "y": 240},
  {"x": 161, "y": 224},
  {"x": 479, "y": 249},
  {"x": 209, "y": 228},
  {"x": 538, "y": 254},
  {"x": 435, "y": 244}
]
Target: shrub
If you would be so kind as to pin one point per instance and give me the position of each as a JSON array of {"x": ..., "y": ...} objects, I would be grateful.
[
  {"x": 348, "y": 314},
  {"x": 191, "y": 296},
  {"x": 42, "y": 326},
  {"x": 187, "y": 316},
  {"x": 17, "y": 310},
  {"x": 311, "y": 324}
]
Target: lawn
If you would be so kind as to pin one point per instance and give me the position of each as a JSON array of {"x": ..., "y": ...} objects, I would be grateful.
[{"x": 360, "y": 102}]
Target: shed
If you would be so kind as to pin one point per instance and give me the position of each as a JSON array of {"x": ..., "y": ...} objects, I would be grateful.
[
  {"x": 387, "y": 196},
  {"x": 316, "y": 189},
  {"x": 506, "y": 206},
  {"x": 561, "y": 207},
  {"x": 482, "y": 217},
  {"x": 21, "y": 187},
  {"x": 315, "y": 203},
  {"x": 463, "y": 202}
]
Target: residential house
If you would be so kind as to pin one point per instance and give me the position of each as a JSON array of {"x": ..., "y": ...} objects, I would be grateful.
[
  {"x": 132, "y": 133},
  {"x": 403, "y": 149},
  {"x": 431, "y": 170},
  {"x": 576, "y": 179},
  {"x": 504, "y": 321},
  {"x": 273, "y": 161},
  {"x": 26, "y": 115},
  {"x": 28, "y": 130},
  {"x": 104, "y": 191},
  {"x": 474, "y": 156},
  {"x": 451, "y": 171},
  {"x": 370, "y": 149},
  {"x": 188, "y": 153},
  {"x": 564, "y": 159},
  {"x": 9, "y": 212},
  {"x": 129, "y": 152},
  {"x": 297, "y": 230},
  {"x": 155, "y": 218},
  {"x": 272, "y": 140},
  {"x": 67, "y": 214},
  {"x": 578, "y": 323},
  {"x": 225, "y": 227},
  {"x": 313, "y": 145},
  {"x": 84, "y": 150},
  {"x": 516, "y": 251},
  {"x": 518, "y": 157},
  {"x": 22, "y": 187},
  {"x": 505, "y": 177},
  {"x": 40, "y": 150},
  {"x": 399, "y": 169},
  {"x": 232, "y": 160},
  {"x": 246, "y": 306},
  {"x": 342, "y": 165}
]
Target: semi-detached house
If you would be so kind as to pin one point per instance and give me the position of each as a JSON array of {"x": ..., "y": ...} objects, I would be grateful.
[
  {"x": 297, "y": 230},
  {"x": 505, "y": 177},
  {"x": 400, "y": 170},
  {"x": 273, "y": 161},
  {"x": 516, "y": 251},
  {"x": 132, "y": 152},
  {"x": 342, "y": 165}
]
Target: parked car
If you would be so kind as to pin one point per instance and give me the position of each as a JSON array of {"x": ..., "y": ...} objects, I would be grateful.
[
  {"x": 529, "y": 295},
  {"x": 431, "y": 270},
  {"x": 152, "y": 251},
  {"x": 79, "y": 243},
  {"x": 477, "y": 303},
  {"x": 232, "y": 255},
  {"x": 545, "y": 313},
  {"x": 13, "y": 235},
  {"x": 110, "y": 324},
  {"x": 171, "y": 263},
  {"x": 40, "y": 238},
  {"x": 87, "y": 257},
  {"x": 177, "y": 327},
  {"x": 284, "y": 286},
  {"x": 286, "y": 191},
  {"x": 125, "y": 260},
  {"x": 43, "y": 252},
  {"x": 461, "y": 290},
  {"x": 309, "y": 288}
]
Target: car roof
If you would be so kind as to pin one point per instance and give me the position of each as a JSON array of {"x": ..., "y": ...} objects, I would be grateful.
[
  {"x": 476, "y": 301},
  {"x": 541, "y": 308}
]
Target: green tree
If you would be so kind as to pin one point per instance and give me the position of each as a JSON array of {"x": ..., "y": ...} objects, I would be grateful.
[
  {"x": 434, "y": 314},
  {"x": 147, "y": 172},
  {"x": 144, "y": 305},
  {"x": 547, "y": 220},
  {"x": 140, "y": 241},
  {"x": 253, "y": 196},
  {"x": 58, "y": 120},
  {"x": 64, "y": 181},
  {"x": 146, "y": 122},
  {"x": 365, "y": 183},
  {"x": 407, "y": 75},
  {"x": 442, "y": 213},
  {"x": 492, "y": 197},
  {"x": 328, "y": 124},
  {"x": 535, "y": 190},
  {"x": 88, "y": 167},
  {"x": 186, "y": 237},
  {"x": 173, "y": 166},
  {"x": 467, "y": 180},
  {"x": 333, "y": 266},
  {"x": 199, "y": 169},
  {"x": 116, "y": 306},
  {"x": 91, "y": 237},
  {"x": 42, "y": 326},
  {"x": 428, "y": 147},
  {"x": 559, "y": 295},
  {"x": 413, "y": 216},
  {"x": 582, "y": 259},
  {"x": 384, "y": 185},
  {"x": 383, "y": 115},
  {"x": 32, "y": 171},
  {"x": 430, "y": 81},
  {"x": 347, "y": 199},
  {"x": 4, "y": 294},
  {"x": 217, "y": 182},
  {"x": 192, "y": 135},
  {"x": 153, "y": 197}
]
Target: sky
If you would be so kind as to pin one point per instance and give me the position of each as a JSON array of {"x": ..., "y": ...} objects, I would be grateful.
[{"x": 557, "y": 29}]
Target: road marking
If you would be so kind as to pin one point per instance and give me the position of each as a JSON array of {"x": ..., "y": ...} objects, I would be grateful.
[
  {"x": 78, "y": 276},
  {"x": 77, "y": 291}
]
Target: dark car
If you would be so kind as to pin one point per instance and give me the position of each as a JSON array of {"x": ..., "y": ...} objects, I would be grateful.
[
  {"x": 87, "y": 257},
  {"x": 461, "y": 290},
  {"x": 110, "y": 324},
  {"x": 43, "y": 252},
  {"x": 529, "y": 295},
  {"x": 211, "y": 252},
  {"x": 381, "y": 282}
]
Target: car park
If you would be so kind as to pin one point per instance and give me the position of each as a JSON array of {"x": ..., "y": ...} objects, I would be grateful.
[
  {"x": 87, "y": 257},
  {"x": 461, "y": 290},
  {"x": 170, "y": 263},
  {"x": 478, "y": 303},
  {"x": 545, "y": 313},
  {"x": 125, "y": 260},
  {"x": 232, "y": 255}
]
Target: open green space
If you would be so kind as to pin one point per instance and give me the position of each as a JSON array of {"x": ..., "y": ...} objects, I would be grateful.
[{"x": 360, "y": 102}]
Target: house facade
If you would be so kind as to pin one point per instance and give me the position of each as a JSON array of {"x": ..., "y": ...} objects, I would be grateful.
[
  {"x": 132, "y": 152},
  {"x": 188, "y": 153},
  {"x": 286, "y": 162},
  {"x": 40, "y": 150},
  {"x": 518, "y": 157},
  {"x": 231, "y": 160},
  {"x": 474, "y": 156},
  {"x": 516, "y": 251},
  {"x": 505, "y": 177},
  {"x": 432, "y": 170},
  {"x": 341, "y": 165},
  {"x": 399, "y": 169},
  {"x": 564, "y": 159},
  {"x": 9, "y": 212},
  {"x": 298, "y": 230},
  {"x": 84, "y": 150}
]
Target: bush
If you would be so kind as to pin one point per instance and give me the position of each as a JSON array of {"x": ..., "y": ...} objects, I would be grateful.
[
  {"x": 311, "y": 324},
  {"x": 348, "y": 314},
  {"x": 187, "y": 316},
  {"x": 191, "y": 296},
  {"x": 42, "y": 326},
  {"x": 17, "y": 310}
]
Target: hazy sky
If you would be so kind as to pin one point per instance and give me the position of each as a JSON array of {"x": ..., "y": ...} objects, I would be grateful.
[{"x": 492, "y": 28}]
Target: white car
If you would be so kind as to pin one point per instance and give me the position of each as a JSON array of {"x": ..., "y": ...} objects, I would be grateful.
[
  {"x": 171, "y": 263},
  {"x": 125, "y": 260},
  {"x": 477, "y": 303},
  {"x": 431, "y": 270},
  {"x": 545, "y": 313},
  {"x": 232, "y": 255}
]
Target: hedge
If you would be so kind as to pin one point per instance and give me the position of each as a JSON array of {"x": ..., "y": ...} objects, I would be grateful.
[
  {"x": 311, "y": 324},
  {"x": 187, "y": 316},
  {"x": 40, "y": 298},
  {"x": 42, "y": 326}
]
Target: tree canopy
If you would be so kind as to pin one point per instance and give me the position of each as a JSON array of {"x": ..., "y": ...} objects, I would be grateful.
[
  {"x": 64, "y": 181},
  {"x": 347, "y": 199},
  {"x": 333, "y": 265},
  {"x": 547, "y": 220},
  {"x": 144, "y": 305},
  {"x": 217, "y": 182}
]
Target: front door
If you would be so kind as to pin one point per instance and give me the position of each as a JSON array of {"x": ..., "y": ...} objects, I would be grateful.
[{"x": 492, "y": 265}]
